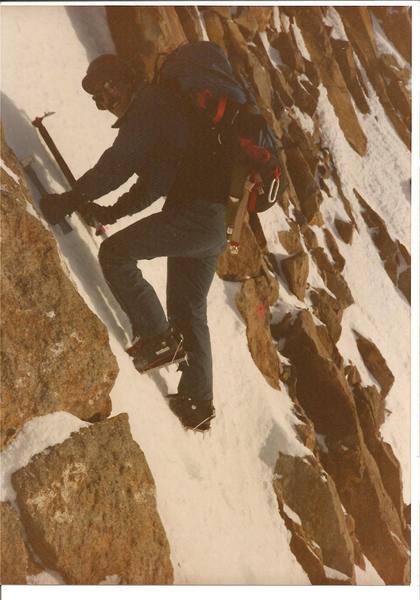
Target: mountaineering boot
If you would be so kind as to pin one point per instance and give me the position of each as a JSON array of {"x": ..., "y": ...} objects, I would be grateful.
[
  {"x": 193, "y": 414},
  {"x": 157, "y": 351}
]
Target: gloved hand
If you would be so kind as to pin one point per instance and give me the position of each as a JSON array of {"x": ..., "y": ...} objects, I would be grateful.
[
  {"x": 55, "y": 207},
  {"x": 104, "y": 214}
]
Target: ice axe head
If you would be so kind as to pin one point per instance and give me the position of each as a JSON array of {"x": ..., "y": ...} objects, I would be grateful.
[{"x": 37, "y": 122}]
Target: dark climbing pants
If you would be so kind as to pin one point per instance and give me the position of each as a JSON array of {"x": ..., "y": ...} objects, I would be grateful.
[{"x": 192, "y": 238}]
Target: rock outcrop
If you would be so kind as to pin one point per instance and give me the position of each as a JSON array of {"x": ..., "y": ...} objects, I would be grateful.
[
  {"x": 16, "y": 561},
  {"x": 55, "y": 353},
  {"x": 88, "y": 506},
  {"x": 353, "y": 479},
  {"x": 395, "y": 257},
  {"x": 321, "y": 534}
]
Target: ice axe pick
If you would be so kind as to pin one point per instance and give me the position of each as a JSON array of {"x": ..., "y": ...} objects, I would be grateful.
[{"x": 38, "y": 123}]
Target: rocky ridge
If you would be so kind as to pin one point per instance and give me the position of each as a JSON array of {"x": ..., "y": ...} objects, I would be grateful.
[
  {"x": 83, "y": 504},
  {"x": 353, "y": 471}
]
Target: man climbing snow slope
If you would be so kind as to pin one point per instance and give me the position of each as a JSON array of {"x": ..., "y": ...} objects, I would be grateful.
[{"x": 175, "y": 153}]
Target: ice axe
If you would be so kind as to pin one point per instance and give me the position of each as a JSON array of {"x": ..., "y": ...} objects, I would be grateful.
[
  {"x": 33, "y": 176},
  {"x": 88, "y": 219}
]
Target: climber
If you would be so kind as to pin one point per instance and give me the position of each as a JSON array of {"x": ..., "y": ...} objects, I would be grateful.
[{"x": 174, "y": 155}]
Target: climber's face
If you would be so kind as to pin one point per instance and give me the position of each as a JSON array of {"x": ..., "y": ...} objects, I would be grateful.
[{"x": 114, "y": 96}]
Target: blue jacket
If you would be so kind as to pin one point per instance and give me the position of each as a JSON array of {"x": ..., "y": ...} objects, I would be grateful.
[{"x": 153, "y": 138}]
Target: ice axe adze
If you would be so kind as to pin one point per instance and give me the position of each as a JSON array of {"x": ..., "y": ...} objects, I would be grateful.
[
  {"x": 31, "y": 173},
  {"x": 99, "y": 228}
]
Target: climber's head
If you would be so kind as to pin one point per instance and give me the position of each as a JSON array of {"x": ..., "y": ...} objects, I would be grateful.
[{"x": 111, "y": 83}]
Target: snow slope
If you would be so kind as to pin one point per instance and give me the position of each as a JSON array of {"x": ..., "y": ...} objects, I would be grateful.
[{"x": 201, "y": 480}]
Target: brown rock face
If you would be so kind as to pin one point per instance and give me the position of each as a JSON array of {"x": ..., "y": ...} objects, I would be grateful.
[
  {"x": 344, "y": 56},
  {"x": 296, "y": 271},
  {"x": 319, "y": 46},
  {"x": 360, "y": 463},
  {"x": 247, "y": 263},
  {"x": 253, "y": 302},
  {"x": 89, "y": 508},
  {"x": 396, "y": 259},
  {"x": 290, "y": 239},
  {"x": 333, "y": 279},
  {"x": 321, "y": 386},
  {"x": 188, "y": 16},
  {"x": 375, "y": 363},
  {"x": 345, "y": 230},
  {"x": 141, "y": 34},
  {"x": 370, "y": 407},
  {"x": 304, "y": 184},
  {"x": 396, "y": 22},
  {"x": 328, "y": 310},
  {"x": 310, "y": 492},
  {"x": 16, "y": 562},
  {"x": 357, "y": 22},
  {"x": 54, "y": 351}
]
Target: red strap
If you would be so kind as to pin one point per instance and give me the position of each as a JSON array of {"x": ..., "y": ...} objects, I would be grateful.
[
  {"x": 203, "y": 96},
  {"x": 252, "y": 198},
  {"x": 255, "y": 152},
  {"x": 221, "y": 107}
]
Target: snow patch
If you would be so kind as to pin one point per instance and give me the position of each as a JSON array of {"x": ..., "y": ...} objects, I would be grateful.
[
  {"x": 9, "y": 171},
  {"x": 45, "y": 578},
  {"x": 334, "y": 574},
  {"x": 37, "y": 435},
  {"x": 384, "y": 45},
  {"x": 367, "y": 576},
  {"x": 111, "y": 580},
  {"x": 291, "y": 514},
  {"x": 272, "y": 53},
  {"x": 300, "y": 42},
  {"x": 333, "y": 19}
]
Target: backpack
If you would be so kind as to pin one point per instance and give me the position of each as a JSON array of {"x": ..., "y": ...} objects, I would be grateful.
[{"x": 201, "y": 73}]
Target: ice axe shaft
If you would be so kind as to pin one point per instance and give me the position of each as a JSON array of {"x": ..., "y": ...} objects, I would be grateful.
[
  {"x": 54, "y": 150},
  {"x": 33, "y": 176},
  {"x": 38, "y": 123}
]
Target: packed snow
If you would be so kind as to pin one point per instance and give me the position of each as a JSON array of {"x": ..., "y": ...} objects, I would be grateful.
[{"x": 215, "y": 536}]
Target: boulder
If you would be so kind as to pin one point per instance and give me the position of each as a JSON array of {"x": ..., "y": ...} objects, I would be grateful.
[
  {"x": 345, "y": 230},
  {"x": 253, "y": 301},
  {"x": 310, "y": 492},
  {"x": 332, "y": 246},
  {"x": 306, "y": 188},
  {"x": 344, "y": 56},
  {"x": 333, "y": 279},
  {"x": 375, "y": 363},
  {"x": 55, "y": 352},
  {"x": 16, "y": 562},
  {"x": 296, "y": 271},
  {"x": 88, "y": 506},
  {"x": 247, "y": 263},
  {"x": 188, "y": 16},
  {"x": 322, "y": 388},
  {"x": 290, "y": 239},
  {"x": 328, "y": 310}
]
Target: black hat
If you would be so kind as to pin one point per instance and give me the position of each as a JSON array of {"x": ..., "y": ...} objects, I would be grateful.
[{"x": 107, "y": 67}]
